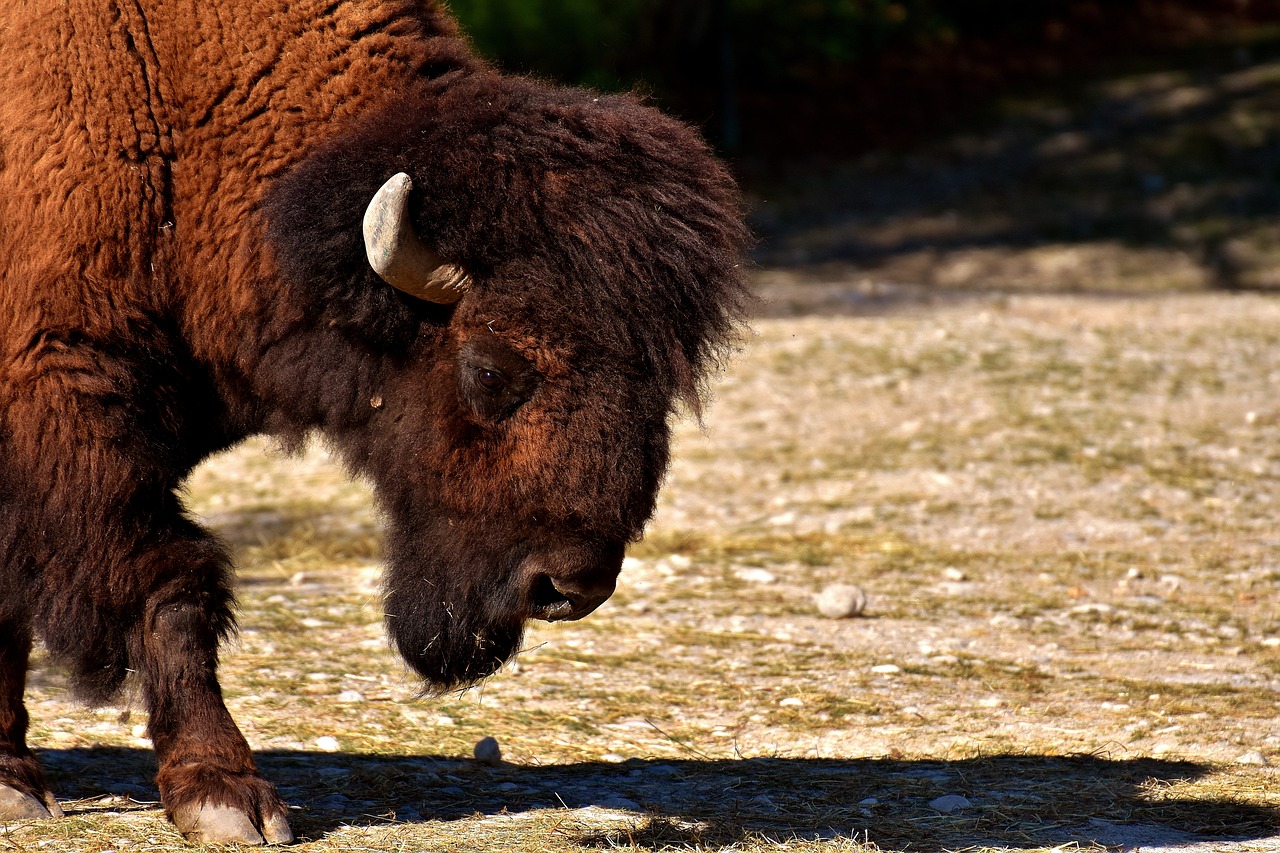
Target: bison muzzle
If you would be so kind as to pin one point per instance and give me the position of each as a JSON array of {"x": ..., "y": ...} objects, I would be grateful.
[{"x": 297, "y": 217}]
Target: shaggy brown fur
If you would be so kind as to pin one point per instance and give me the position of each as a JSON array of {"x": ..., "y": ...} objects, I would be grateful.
[{"x": 181, "y": 188}]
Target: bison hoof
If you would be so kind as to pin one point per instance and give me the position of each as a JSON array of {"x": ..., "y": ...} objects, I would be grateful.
[
  {"x": 15, "y": 805},
  {"x": 210, "y": 824}
]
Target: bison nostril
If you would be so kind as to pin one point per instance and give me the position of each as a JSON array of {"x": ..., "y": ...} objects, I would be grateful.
[
  {"x": 556, "y": 601},
  {"x": 548, "y": 601}
]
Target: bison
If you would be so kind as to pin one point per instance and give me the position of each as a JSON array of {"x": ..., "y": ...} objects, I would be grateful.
[{"x": 289, "y": 217}]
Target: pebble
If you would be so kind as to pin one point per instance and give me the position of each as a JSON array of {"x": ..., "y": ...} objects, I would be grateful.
[
  {"x": 488, "y": 752},
  {"x": 1254, "y": 757},
  {"x": 886, "y": 669},
  {"x": 621, "y": 804},
  {"x": 841, "y": 601},
  {"x": 351, "y": 696},
  {"x": 750, "y": 574},
  {"x": 328, "y": 744},
  {"x": 949, "y": 803}
]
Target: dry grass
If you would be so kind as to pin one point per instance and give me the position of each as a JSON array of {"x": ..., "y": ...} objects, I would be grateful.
[{"x": 1061, "y": 508}]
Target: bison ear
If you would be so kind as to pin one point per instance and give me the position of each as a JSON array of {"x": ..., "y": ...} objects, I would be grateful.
[{"x": 399, "y": 257}]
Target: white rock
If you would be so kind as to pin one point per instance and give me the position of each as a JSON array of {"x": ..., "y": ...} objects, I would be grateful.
[
  {"x": 328, "y": 744},
  {"x": 792, "y": 702},
  {"x": 951, "y": 573},
  {"x": 351, "y": 696},
  {"x": 488, "y": 752},
  {"x": 841, "y": 601},
  {"x": 886, "y": 669},
  {"x": 949, "y": 803},
  {"x": 1254, "y": 757},
  {"x": 754, "y": 575}
]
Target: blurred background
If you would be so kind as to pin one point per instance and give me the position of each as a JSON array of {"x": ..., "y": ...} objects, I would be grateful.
[{"x": 894, "y": 148}]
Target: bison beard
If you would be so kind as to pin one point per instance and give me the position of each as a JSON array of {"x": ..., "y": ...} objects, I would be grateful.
[
  {"x": 182, "y": 266},
  {"x": 453, "y": 624}
]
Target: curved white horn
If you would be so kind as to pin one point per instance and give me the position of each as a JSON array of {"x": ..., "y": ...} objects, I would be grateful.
[{"x": 399, "y": 257}]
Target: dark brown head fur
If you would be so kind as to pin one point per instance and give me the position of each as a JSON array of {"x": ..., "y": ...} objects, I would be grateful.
[{"x": 604, "y": 240}]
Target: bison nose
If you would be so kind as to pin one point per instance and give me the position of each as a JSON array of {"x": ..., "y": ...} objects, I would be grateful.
[
  {"x": 559, "y": 600},
  {"x": 570, "y": 583}
]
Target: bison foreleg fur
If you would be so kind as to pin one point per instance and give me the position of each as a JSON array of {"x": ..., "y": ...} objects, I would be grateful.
[
  {"x": 208, "y": 783},
  {"x": 23, "y": 794}
]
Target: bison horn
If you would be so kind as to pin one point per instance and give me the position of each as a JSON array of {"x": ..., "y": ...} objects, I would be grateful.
[{"x": 399, "y": 257}]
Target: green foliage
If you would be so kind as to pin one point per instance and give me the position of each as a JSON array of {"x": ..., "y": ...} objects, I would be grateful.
[
  {"x": 620, "y": 42},
  {"x": 576, "y": 41},
  {"x": 671, "y": 43}
]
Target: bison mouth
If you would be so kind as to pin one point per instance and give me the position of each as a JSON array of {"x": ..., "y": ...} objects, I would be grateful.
[{"x": 456, "y": 624}]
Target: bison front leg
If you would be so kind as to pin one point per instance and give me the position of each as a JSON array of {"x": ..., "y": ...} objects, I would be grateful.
[
  {"x": 208, "y": 782},
  {"x": 23, "y": 795}
]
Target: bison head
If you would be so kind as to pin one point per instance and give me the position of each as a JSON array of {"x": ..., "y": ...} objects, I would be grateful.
[{"x": 547, "y": 272}]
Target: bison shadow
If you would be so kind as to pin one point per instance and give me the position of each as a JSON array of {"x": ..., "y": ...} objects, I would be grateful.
[{"x": 1013, "y": 801}]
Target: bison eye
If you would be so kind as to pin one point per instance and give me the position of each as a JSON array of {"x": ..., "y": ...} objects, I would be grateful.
[{"x": 491, "y": 380}]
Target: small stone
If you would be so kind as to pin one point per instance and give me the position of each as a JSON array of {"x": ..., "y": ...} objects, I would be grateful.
[
  {"x": 750, "y": 574},
  {"x": 841, "y": 601},
  {"x": 613, "y": 758},
  {"x": 1254, "y": 757},
  {"x": 621, "y": 804},
  {"x": 351, "y": 696},
  {"x": 949, "y": 803},
  {"x": 886, "y": 669},
  {"x": 488, "y": 752},
  {"x": 792, "y": 702},
  {"x": 328, "y": 744},
  {"x": 869, "y": 801},
  {"x": 951, "y": 573},
  {"x": 139, "y": 731}
]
